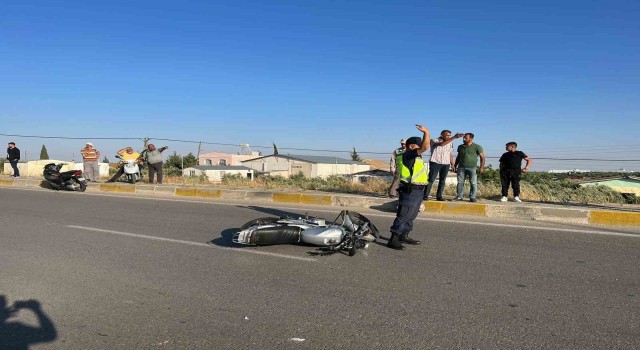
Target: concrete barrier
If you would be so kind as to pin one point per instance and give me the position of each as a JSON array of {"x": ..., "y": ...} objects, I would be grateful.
[
  {"x": 529, "y": 211},
  {"x": 605, "y": 217}
]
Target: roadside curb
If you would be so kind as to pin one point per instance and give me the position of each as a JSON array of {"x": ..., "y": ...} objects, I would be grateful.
[{"x": 529, "y": 211}]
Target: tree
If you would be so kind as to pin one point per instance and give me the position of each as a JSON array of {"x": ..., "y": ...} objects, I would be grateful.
[
  {"x": 275, "y": 149},
  {"x": 105, "y": 160},
  {"x": 174, "y": 161},
  {"x": 43, "y": 153},
  {"x": 190, "y": 160},
  {"x": 355, "y": 156}
]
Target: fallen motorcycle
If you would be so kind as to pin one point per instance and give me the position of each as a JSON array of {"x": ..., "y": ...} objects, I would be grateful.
[
  {"x": 71, "y": 180},
  {"x": 350, "y": 231}
]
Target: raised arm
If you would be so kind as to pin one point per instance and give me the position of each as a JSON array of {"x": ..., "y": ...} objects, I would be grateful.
[
  {"x": 456, "y": 136},
  {"x": 425, "y": 139}
]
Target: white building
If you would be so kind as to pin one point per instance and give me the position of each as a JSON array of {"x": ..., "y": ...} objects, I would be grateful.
[
  {"x": 365, "y": 176},
  {"x": 215, "y": 172},
  {"x": 309, "y": 166},
  {"x": 225, "y": 159},
  {"x": 569, "y": 171}
]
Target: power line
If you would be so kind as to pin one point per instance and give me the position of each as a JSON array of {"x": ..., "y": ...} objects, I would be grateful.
[
  {"x": 291, "y": 148},
  {"x": 73, "y": 138}
]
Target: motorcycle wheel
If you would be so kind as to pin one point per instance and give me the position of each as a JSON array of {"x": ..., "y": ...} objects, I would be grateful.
[
  {"x": 83, "y": 186},
  {"x": 260, "y": 221},
  {"x": 133, "y": 179}
]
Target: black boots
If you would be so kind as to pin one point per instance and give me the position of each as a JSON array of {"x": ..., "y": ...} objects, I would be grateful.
[
  {"x": 394, "y": 242},
  {"x": 406, "y": 239}
]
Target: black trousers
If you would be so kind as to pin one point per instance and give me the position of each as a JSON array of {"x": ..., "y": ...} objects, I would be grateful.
[
  {"x": 510, "y": 177},
  {"x": 155, "y": 168},
  {"x": 117, "y": 174},
  {"x": 437, "y": 170},
  {"x": 14, "y": 165},
  {"x": 408, "y": 208}
]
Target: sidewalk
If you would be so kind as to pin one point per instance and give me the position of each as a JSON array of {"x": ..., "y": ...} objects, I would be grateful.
[{"x": 589, "y": 214}]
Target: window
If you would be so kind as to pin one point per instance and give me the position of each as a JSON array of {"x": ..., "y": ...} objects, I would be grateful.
[
  {"x": 222, "y": 162},
  {"x": 208, "y": 162},
  {"x": 192, "y": 173}
]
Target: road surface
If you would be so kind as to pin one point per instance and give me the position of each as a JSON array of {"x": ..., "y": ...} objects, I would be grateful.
[{"x": 115, "y": 272}]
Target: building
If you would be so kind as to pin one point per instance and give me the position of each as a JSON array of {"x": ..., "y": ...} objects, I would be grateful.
[
  {"x": 215, "y": 173},
  {"x": 622, "y": 184},
  {"x": 35, "y": 168},
  {"x": 568, "y": 171},
  {"x": 365, "y": 176},
  {"x": 225, "y": 159},
  {"x": 309, "y": 166}
]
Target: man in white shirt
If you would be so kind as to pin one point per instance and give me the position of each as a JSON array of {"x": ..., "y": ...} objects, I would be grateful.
[{"x": 441, "y": 162}]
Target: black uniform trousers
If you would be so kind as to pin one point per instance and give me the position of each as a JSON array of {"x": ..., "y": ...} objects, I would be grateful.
[{"x": 408, "y": 208}]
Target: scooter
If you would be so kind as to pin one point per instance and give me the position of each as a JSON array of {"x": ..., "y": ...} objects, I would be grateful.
[
  {"x": 71, "y": 180},
  {"x": 131, "y": 171}
]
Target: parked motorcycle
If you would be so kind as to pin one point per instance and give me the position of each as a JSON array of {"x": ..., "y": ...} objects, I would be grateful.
[
  {"x": 71, "y": 180},
  {"x": 350, "y": 231}
]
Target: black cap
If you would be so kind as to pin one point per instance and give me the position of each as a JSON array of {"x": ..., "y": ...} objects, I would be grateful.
[{"x": 415, "y": 140}]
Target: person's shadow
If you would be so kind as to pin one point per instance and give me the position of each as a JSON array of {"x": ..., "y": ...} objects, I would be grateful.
[{"x": 16, "y": 335}]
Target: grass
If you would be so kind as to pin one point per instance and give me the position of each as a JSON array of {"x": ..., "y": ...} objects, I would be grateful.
[{"x": 536, "y": 187}]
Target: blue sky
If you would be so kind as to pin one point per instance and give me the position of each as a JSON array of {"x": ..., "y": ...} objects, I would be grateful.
[{"x": 560, "y": 77}]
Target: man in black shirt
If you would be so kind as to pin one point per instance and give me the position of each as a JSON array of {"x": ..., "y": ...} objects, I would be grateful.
[
  {"x": 13, "y": 156},
  {"x": 510, "y": 171}
]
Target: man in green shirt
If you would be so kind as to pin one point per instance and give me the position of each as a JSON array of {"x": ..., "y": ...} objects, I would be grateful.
[{"x": 466, "y": 164}]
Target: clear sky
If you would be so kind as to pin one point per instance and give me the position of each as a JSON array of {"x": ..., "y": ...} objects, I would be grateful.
[{"x": 562, "y": 78}]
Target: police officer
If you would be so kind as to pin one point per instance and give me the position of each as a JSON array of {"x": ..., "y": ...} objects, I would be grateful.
[
  {"x": 412, "y": 172},
  {"x": 393, "y": 190}
]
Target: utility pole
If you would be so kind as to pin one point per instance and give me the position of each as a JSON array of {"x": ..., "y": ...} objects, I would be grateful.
[{"x": 199, "y": 148}]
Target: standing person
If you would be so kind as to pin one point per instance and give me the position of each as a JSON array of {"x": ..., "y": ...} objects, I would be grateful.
[
  {"x": 393, "y": 190},
  {"x": 510, "y": 172},
  {"x": 13, "y": 156},
  {"x": 90, "y": 158},
  {"x": 440, "y": 162},
  {"x": 466, "y": 165},
  {"x": 125, "y": 154},
  {"x": 412, "y": 172},
  {"x": 153, "y": 156}
]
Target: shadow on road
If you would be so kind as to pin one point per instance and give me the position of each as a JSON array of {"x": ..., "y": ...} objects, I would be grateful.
[
  {"x": 226, "y": 239},
  {"x": 17, "y": 335}
]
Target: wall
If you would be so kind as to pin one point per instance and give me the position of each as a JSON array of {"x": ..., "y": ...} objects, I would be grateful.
[
  {"x": 231, "y": 159},
  {"x": 270, "y": 164},
  {"x": 324, "y": 170},
  {"x": 34, "y": 168},
  {"x": 216, "y": 175},
  {"x": 215, "y": 158}
]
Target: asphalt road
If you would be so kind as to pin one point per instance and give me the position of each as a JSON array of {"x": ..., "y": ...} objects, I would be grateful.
[{"x": 137, "y": 273}]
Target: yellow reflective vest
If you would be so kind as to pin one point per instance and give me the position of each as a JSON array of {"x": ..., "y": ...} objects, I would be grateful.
[{"x": 419, "y": 176}]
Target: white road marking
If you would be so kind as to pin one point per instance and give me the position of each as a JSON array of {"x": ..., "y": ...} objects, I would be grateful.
[
  {"x": 461, "y": 221},
  {"x": 198, "y": 244}
]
